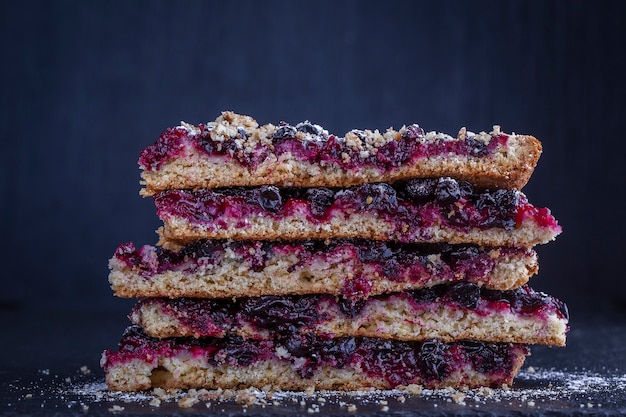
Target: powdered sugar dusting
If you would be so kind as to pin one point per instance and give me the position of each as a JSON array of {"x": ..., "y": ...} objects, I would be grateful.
[{"x": 533, "y": 389}]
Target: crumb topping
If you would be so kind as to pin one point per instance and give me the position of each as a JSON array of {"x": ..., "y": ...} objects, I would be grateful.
[{"x": 247, "y": 135}]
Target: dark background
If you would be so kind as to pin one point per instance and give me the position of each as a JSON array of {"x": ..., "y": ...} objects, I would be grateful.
[{"x": 86, "y": 85}]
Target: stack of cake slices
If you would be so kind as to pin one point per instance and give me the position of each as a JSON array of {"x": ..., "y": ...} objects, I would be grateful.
[{"x": 290, "y": 258}]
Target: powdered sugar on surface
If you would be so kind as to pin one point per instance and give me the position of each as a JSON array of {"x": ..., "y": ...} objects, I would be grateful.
[{"x": 534, "y": 390}]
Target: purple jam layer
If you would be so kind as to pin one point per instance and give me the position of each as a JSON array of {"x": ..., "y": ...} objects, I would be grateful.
[
  {"x": 401, "y": 262},
  {"x": 318, "y": 147},
  {"x": 397, "y": 362},
  {"x": 415, "y": 203},
  {"x": 286, "y": 315}
]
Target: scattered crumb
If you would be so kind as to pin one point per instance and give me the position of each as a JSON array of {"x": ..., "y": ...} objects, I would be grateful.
[
  {"x": 414, "y": 389},
  {"x": 187, "y": 402},
  {"x": 384, "y": 408},
  {"x": 458, "y": 397},
  {"x": 116, "y": 409},
  {"x": 531, "y": 370},
  {"x": 351, "y": 408},
  {"x": 531, "y": 403},
  {"x": 85, "y": 370},
  {"x": 28, "y": 396},
  {"x": 155, "y": 402},
  {"x": 401, "y": 399}
]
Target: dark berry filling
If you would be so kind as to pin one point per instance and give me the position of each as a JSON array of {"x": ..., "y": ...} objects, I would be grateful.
[
  {"x": 400, "y": 262},
  {"x": 288, "y": 315},
  {"x": 317, "y": 146},
  {"x": 396, "y": 362},
  {"x": 413, "y": 204}
]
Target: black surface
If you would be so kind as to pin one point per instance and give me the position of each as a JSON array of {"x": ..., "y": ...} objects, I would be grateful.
[
  {"x": 42, "y": 356},
  {"x": 86, "y": 85}
]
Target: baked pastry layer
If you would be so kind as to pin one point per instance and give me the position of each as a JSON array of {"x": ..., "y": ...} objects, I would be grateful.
[
  {"x": 354, "y": 269},
  {"x": 445, "y": 312},
  {"x": 430, "y": 210},
  {"x": 298, "y": 363},
  {"x": 235, "y": 151}
]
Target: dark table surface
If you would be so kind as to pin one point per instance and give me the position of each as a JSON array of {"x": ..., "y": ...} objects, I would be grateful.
[{"x": 49, "y": 365}]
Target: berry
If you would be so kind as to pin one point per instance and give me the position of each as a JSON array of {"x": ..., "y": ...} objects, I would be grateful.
[
  {"x": 280, "y": 314},
  {"x": 285, "y": 131},
  {"x": 465, "y": 294},
  {"x": 459, "y": 253},
  {"x": 308, "y": 127},
  {"x": 433, "y": 361},
  {"x": 269, "y": 198},
  {"x": 447, "y": 191},
  {"x": 379, "y": 196},
  {"x": 476, "y": 147},
  {"x": 413, "y": 132},
  {"x": 320, "y": 200},
  {"x": 421, "y": 190},
  {"x": 376, "y": 251}
]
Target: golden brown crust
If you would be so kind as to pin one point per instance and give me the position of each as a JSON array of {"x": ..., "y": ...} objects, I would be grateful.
[
  {"x": 190, "y": 371},
  {"x": 363, "y": 225},
  {"x": 393, "y": 317},
  {"x": 232, "y": 277},
  {"x": 509, "y": 166}
]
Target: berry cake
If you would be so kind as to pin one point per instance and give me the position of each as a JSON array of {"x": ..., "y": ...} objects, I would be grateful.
[
  {"x": 290, "y": 258},
  {"x": 352, "y": 268},
  {"x": 461, "y": 311},
  {"x": 306, "y": 361},
  {"x": 420, "y": 210},
  {"x": 235, "y": 151}
]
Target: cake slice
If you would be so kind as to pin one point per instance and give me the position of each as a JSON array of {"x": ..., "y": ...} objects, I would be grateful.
[
  {"x": 461, "y": 311},
  {"x": 423, "y": 210},
  {"x": 306, "y": 361},
  {"x": 352, "y": 268},
  {"x": 235, "y": 151}
]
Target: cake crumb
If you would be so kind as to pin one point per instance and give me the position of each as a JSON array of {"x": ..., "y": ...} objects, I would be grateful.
[
  {"x": 84, "y": 407},
  {"x": 28, "y": 396},
  {"x": 531, "y": 403},
  {"x": 116, "y": 409},
  {"x": 351, "y": 408},
  {"x": 384, "y": 408},
  {"x": 531, "y": 370},
  {"x": 85, "y": 370},
  {"x": 414, "y": 389},
  {"x": 187, "y": 402},
  {"x": 459, "y": 398},
  {"x": 401, "y": 399},
  {"x": 247, "y": 397},
  {"x": 155, "y": 402}
]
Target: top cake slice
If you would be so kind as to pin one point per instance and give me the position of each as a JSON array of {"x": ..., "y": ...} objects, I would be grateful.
[{"x": 235, "y": 151}]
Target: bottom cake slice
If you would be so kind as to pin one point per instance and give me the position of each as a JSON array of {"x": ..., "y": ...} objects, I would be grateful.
[{"x": 304, "y": 361}]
